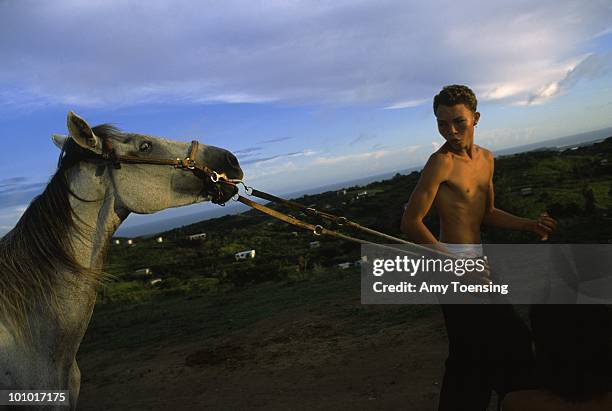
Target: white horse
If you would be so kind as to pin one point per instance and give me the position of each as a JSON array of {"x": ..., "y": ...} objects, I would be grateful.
[{"x": 51, "y": 262}]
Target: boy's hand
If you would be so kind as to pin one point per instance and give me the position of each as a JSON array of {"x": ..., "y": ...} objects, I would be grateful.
[{"x": 544, "y": 226}]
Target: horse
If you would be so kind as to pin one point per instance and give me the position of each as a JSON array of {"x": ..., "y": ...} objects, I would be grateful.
[{"x": 51, "y": 262}]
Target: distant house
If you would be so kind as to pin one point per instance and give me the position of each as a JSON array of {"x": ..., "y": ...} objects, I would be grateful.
[
  {"x": 315, "y": 244},
  {"x": 130, "y": 242},
  {"x": 200, "y": 236},
  {"x": 526, "y": 191},
  {"x": 243, "y": 255},
  {"x": 159, "y": 239},
  {"x": 344, "y": 266},
  {"x": 141, "y": 274},
  {"x": 143, "y": 271},
  {"x": 341, "y": 192},
  {"x": 360, "y": 194}
]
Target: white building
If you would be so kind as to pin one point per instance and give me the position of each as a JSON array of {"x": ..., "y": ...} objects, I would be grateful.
[
  {"x": 200, "y": 236},
  {"x": 315, "y": 244},
  {"x": 243, "y": 255},
  {"x": 143, "y": 271}
]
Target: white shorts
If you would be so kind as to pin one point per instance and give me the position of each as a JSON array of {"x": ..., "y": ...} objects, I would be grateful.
[{"x": 465, "y": 250}]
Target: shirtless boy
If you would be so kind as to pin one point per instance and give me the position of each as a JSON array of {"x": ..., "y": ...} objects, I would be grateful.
[{"x": 489, "y": 347}]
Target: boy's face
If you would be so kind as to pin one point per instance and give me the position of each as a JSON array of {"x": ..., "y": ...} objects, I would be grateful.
[{"x": 456, "y": 124}]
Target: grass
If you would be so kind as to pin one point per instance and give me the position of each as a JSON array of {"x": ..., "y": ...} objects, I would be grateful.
[{"x": 165, "y": 320}]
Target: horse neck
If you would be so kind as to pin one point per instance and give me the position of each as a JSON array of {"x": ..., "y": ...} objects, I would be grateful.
[{"x": 97, "y": 218}]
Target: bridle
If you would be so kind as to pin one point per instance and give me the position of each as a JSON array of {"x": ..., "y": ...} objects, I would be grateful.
[{"x": 189, "y": 163}]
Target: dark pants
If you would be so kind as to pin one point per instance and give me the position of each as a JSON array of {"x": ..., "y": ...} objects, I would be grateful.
[{"x": 489, "y": 349}]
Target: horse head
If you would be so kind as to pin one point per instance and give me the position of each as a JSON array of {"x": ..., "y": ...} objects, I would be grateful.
[{"x": 149, "y": 174}]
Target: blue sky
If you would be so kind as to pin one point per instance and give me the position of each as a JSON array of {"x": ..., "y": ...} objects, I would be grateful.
[{"x": 306, "y": 93}]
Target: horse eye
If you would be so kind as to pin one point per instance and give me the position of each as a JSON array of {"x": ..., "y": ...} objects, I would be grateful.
[{"x": 145, "y": 146}]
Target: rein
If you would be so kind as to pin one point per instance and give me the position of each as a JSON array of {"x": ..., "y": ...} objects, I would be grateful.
[{"x": 320, "y": 230}]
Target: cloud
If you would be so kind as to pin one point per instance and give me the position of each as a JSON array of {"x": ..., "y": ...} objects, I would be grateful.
[
  {"x": 388, "y": 53},
  {"x": 407, "y": 104},
  {"x": 260, "y": 160},
  {"x": 9, "y": 217},
  {"x": 275, "y": 140},
  {"x": 247, "y": 152},
  {"x": 16, "y": 191},
  {"x": 11, "y": 181},
  {"x": 500, "y": 138},
  {"x": 361, "y": 138},
  {"x": 365, "y": 156},
  {"x": 312, "y": 169},
  {"x": 593, "y": 66}
]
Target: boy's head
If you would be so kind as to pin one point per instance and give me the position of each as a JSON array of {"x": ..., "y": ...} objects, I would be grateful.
[
  {"x": 456, "y": 115},
  {"x": 453, "y": 95}
]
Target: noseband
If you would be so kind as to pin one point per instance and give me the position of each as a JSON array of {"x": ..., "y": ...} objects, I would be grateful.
[{"x": 188, "y": 163}]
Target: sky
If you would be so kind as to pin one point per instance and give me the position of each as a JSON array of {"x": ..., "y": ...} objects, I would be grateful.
[{"x": 305, "y": 93}]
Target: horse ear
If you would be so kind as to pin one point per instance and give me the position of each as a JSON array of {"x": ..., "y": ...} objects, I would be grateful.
[
  {"x": 59, "y": 140},
  {"x": 82, "y": 134}
]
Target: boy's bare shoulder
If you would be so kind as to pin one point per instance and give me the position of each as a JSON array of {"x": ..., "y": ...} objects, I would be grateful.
[
  {"x": 485, "y": 152},
  {"x": 441, "y": 157}
]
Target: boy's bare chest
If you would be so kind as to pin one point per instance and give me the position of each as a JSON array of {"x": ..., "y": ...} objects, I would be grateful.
[{"x": 469, "y": 180}]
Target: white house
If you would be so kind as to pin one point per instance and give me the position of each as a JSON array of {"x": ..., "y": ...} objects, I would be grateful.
[
  {"x": 200, "y": 236},
  {"x": 159, "y": 239},
  {"x": 243, "y": 255},
  {"x": 143, "y": 271}
]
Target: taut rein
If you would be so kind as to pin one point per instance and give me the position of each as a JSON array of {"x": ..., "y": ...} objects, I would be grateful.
[{"x": 338, "y": 220}]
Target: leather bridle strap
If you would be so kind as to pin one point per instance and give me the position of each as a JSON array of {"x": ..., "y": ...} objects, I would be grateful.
[{"x": 188, "y": 162}]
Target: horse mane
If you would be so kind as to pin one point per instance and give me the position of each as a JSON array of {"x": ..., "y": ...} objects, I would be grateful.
[{"x": 40, "y": 247}]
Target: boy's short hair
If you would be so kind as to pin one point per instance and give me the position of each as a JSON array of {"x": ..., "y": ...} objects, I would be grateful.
[{"x": 453, "y": 95}]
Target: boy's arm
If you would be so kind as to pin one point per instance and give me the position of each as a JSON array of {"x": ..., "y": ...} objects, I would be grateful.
[
  {"x": 421, "y": 199},
  {"x": 543, "y": 226}
]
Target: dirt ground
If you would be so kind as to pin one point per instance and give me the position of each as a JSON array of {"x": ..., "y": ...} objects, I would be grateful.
[{"x": 300, "y": 358}]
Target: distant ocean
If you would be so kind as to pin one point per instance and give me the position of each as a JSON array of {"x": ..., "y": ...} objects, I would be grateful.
[{"x": 170, "y": 223}]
